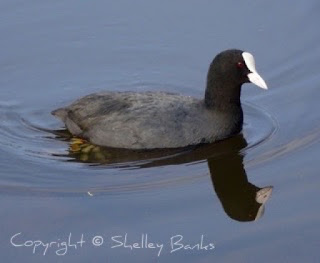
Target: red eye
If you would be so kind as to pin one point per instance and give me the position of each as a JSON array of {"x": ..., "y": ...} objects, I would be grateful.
[{"x": 240, "y": 65}]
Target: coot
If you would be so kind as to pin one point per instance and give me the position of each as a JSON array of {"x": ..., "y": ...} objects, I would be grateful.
[{"x": 150, "y": 120}]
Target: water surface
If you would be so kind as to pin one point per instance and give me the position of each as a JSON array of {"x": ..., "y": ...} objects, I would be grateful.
[{"x": 254, "y": 196}]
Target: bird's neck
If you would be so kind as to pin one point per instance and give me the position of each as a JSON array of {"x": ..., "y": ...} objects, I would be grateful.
[
  {"x": 223, "y": 95},
  {"x": 224, "y": 99}
]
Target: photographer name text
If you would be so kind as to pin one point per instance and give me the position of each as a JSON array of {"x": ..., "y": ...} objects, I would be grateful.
[{"x": 62, "y": 246}]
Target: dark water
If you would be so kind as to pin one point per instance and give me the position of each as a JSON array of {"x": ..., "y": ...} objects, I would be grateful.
[{"x": 208, "y": 198}]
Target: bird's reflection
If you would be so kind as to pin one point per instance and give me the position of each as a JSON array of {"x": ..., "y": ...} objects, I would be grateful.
[{"x": 241, "y": 200}]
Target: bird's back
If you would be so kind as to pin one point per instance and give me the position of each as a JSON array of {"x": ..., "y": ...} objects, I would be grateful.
[{"x": 142, "y": 120}]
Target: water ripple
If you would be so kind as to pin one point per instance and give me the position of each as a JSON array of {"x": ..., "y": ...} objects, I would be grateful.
[{"x": 45, "y": 167}]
